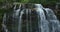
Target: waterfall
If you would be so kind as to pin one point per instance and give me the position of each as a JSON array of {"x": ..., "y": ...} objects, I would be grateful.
[
  {"x": 23, "y": 15},
  {"x": 4, "y": 19},
  {"x": 4, "y": 24},
  {"x": 30, "y": 21},
  {"x": 50, "y": 14},
  {"x": 43, "y": 23},
  {"x": 51, "y": 17},
  {"x": 20, "y": 21},
  {"x": 16, "y": 12}
]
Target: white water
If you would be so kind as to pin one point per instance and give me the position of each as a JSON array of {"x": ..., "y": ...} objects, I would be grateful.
[
  {"x": 16, "y": 12},
  {"x": 43, "y": 23},
  {"x": 4, "y": 18},
  {"x": 27, "y": 20},
  {"x": 20, "y": 21},
  {"x": 4, "y": 24},
  {"x": 51, "y": 17},
  {"x": 30, "y": 20},
  {"x": 50, "y": 14}
]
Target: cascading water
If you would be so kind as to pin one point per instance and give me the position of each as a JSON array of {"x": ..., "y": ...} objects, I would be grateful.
[
  {"x": 46, "y": 22},
  {"x": 54, "y": 23},
  {"x": 4, "y": 24},
  {"x": 43, "y": 23},
  {"x": 16, "y": 12},
  {"x": 50, "y": 14},
  {"x": 20, "y": 21}
]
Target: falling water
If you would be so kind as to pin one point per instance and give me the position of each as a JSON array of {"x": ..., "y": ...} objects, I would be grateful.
[
  {"x": 20, "y": 21},
  {"x": 50, "y": 14},
  {"x": 51, "y": 17},
  {"x": 16, "y": 12},
  {"x": 30, "y": 21},
  {"x": 15, "y": 16},
  {"x": 46, "y": 22},
  {"x": 43, "y": 23},
  {"x": 4, "y": 24},
  {"x": 4, "y": 19}
]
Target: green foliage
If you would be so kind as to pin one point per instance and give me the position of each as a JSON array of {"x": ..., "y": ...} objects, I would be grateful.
[
  {"x": 33, "y": 1},
  {"x": 38, "y": 1},
  {"x": 45, "y": 2},
  {"x": 2, "y": 0},
  {"x": 24, "y": 1}
]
